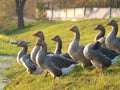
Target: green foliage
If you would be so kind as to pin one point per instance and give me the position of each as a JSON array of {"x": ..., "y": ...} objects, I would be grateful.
[
  {"x": 79, "y": 79},
  {"x": 98, "y": 3}
]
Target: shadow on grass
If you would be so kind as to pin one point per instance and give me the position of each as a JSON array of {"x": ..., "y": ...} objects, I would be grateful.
[
  {"x": 15, "y": 73},
  {"x": 77, "y": 69},
  {"x": 112, "y": 70},
  {"x": 12, "y": 30},
  {"x": 16, "y": 31}
]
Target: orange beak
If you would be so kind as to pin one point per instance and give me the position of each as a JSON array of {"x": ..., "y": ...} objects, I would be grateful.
[
  {"x": 71, "y": 29},
  {"x": 35, "y": 34},
  {"x": 53, "y": 39},
  {"x": 109, "y": 24},
  {"x": 18, "y": 45},
  {"x": 96, "y": 28}
]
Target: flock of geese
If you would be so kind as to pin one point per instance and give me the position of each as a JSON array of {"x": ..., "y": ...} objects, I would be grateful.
[{"x": 103, "y": 53}]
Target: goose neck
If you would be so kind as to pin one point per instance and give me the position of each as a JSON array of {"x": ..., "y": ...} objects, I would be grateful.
[
  {"x": 40, "y": 58},
  {"x": 100, "y": 34},
  {"x": 22, "y": 52},
  {"x": 58, "y": 47},
  {"x": 42, "y": 38},
  {"x": 115, "y": 29},
  {"x": 77, "y": 36}
]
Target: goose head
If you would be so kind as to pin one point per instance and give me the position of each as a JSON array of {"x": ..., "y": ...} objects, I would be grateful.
[
  {"x": 22, "y": 43},
  {"x": 56, "y": 38},
  {"x": 74, "y": 29},
  {"x": 96, "y": 45},
  {"x": 39, "y": 34},
  {"x": 99, "y": 27},
  {"x": 112, "y": 23}
]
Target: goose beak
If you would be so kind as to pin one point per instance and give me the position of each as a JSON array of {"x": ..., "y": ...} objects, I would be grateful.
[
  {"x": 18, "y": 45},
  {"x": 53, "y": 39},
  {"x": 35, "y": 34},
  {"x": 109, "y": 24},
  {"x": 95, "y": 28},
  {"x": 71, "y": 29}
]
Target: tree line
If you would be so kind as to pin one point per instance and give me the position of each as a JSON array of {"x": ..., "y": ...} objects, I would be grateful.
[
  {"x": 84, "y": 3},
  {"x": 27, "y": 8}
]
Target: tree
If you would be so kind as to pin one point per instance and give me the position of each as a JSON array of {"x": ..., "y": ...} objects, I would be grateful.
[
  {"x": 82, "y": 2},
  {"x": 19, "y": 10}
]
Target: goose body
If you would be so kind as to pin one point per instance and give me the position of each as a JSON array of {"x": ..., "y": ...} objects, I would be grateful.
[
  {"x": 34, "y": 53},
  {"x": 98, "y": 59},
  {"x": 24, "y": 59},
  {"x": 56, "y": 65},
  {"x": 76, "y": 51},
  {"x": 109, "y": 53},
  {"x": 22, "y": 52},
  {"x": 100, "y": 37},
  {"x": 112, "y": 41}
]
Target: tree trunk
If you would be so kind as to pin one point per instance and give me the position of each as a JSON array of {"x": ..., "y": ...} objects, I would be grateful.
[
  {"x": 110, "y": 12},
  {"x": 19, "y": 10}
]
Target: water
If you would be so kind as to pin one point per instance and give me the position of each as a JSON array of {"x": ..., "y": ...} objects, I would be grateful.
[
  {"x": 7, "y": 57},
  {"x": 3, "y": 82},
  {"x": 4, "y": 65}
]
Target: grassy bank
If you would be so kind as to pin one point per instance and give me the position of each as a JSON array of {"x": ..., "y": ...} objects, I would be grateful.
[{"x": 79, "y": 79}]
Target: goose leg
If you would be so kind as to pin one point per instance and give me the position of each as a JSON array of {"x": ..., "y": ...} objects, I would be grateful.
[
  {"x": 46, "y": 74},
  {"x": 29, "y": 71},
  {"x": 54, "y": 77},
  {"x": 98, "y": 70}
]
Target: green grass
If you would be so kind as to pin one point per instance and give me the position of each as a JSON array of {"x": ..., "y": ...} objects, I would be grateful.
[
  {"x": 3, "y": 60},
  {"x": 79, "y": 79}
]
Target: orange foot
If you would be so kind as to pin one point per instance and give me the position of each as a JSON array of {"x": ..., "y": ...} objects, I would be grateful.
[
  {"x": 46, "y": 74},
  {"x": 98, "y": 70}
]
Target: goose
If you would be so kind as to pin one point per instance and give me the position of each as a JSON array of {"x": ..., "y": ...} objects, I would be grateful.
[
  {"x": 76, "y": 51},
  {"x": 112, "y": 41},
  {"x": 56, "y": 65},
  {"x": 40, "y": 35},
  {"x": 59, "y": 47},
  {"x": 24, "y": 59},
  {"x": 35, "y": 49},
  {"x": 98, "y": 59},
  {"x": 100, "y": 37}
]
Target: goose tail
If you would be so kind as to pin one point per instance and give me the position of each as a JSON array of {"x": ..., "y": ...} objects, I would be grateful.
[
  {"x": 115, "y": 60},
  {"x": 37, "y": 71},
  {"x": 66, "y": 71}
]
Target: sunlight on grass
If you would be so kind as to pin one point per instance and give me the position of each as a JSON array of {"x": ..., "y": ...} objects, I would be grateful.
[{"x": 79, "y": 79}]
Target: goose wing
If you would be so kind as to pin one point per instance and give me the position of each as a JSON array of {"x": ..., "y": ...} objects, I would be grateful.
[
  {"x": 27, "y": 62},
  {"x": 61, "y": 62},
  {"x": 116, "y": 42},
  {"x": 107, "y": 52},
  {"x": 66, "y": 55},
  {"x": 53, "y": 69}
]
